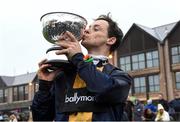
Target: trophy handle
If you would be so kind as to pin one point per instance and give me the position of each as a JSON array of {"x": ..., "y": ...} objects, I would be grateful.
[{"x": 54, "y": 48}]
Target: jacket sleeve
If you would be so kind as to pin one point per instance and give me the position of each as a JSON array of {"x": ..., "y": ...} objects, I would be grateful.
[
  {"x": 43, "y": 102},
  {"x": 110, "y": 88}
]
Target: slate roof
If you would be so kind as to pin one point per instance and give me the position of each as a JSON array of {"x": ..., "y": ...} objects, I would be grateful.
[
  {"x": 163, "y": 31},
  {"x": 7, "y": 80},
  {"x": 160, "y": 32},
  {"x": 19, "y": 79},
  {"x": 24, "y": 79},
  {"x": 151, "y": 31}
]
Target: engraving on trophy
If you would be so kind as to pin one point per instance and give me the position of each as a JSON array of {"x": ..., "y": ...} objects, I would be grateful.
[{"x": 54, "y": 29}]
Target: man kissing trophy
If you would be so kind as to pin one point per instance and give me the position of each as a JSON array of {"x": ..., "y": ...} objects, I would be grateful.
[{"x": 55, "y": 24}]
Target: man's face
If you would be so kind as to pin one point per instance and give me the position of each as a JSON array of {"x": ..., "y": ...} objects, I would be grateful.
[
  {"x": 161, "y": 111},
  {"x": 149, "y": 111},
  {"x": 160, "y": 97},
  {"x": 177, "y": 96},
  {"x": 96, "y": 35}
]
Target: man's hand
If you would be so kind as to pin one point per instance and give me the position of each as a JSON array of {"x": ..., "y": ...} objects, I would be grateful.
[
  {"x": 69, "y": 44},
  {"x": 43, "y": 72}
]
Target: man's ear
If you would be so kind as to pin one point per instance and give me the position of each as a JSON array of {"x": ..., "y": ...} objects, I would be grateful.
[{"x": 111, "y": 40}]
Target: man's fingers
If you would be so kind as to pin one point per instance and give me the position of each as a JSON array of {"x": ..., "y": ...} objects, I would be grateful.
[
  {"x": 71, "y": 36},
  {"x": 42, "y": 62},
  {"x": 62, "y": 44},
  {"x": 67, "y": 36},
  {"x": 64, "y": 37},
  {"x": 63, "y": 51},
  {"x": 44, "y": 66}
]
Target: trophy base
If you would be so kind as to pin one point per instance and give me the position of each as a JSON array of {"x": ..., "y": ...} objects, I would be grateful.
[
  {"x": 57, "y": 61},
  {"x": 58, "y": 64}
]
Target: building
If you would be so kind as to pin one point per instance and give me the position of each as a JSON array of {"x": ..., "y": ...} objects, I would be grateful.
[
  {"x": 152, "y": 57},
  {"x": 16, "y": 92}
]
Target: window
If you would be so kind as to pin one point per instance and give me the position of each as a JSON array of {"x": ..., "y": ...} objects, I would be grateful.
[
  {"x": 147, "y": 84},
  {"x": 154, "y": 83},
  {"x": 139, "y": 85},
  {"x": 177, "y": 80},
  {"x": 36, "y": 87},
  {"x": 138, "y": 61},
  {"x": 152, "y": 59},
  {"x": 15, "y": 94},
  {"x": 1, "y": 96},
  {"x": 125, "y": 63},
  {"x": 26, "y": 92},
  {"x": 20, "y": 93},
  {"x": 175, "y": 53},
  {"x": 5, "y": 95}
]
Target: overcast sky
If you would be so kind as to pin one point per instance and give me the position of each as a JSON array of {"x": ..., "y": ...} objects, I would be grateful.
[{"x": 22, "y": 45}]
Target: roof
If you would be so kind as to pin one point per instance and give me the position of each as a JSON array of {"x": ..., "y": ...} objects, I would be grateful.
[
  {"x": 160, "y": 32},
  {"x": 163, "y": 31},
  {"x": 18, "y": 80},
  {"x": 24, "y": 79},
  {"x": 7, "y": 80},
  {"x": 150, "y": 31}
]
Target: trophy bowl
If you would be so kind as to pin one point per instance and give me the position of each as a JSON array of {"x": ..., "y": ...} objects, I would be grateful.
[{"x": 56, "y": 23}]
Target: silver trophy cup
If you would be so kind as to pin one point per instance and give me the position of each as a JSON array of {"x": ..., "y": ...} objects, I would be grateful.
[{"x": 56, "y": 23}]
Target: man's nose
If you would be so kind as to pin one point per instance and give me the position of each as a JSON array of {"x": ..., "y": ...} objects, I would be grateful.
[{"x": 86, "y": 31}]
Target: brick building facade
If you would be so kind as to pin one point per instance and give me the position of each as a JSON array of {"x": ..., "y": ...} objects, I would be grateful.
[{"x": 152, "y": 57}]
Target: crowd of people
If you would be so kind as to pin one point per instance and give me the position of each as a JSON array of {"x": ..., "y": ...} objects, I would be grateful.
[
  {"x": 159, "y": 110},
  {"x": 14, "y": 116},
  {"x": 135, "y": 110}
]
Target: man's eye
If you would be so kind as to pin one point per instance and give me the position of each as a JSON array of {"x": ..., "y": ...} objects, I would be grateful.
[{"x": 96, "y": 29}]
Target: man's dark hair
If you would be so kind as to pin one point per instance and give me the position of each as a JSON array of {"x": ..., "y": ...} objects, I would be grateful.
[{"x": 113, "y": 31}]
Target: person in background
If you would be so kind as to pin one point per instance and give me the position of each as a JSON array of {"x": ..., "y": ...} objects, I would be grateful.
[
  {"x": 1, "y": 116},
  {"x": 163, "y": 102},
  {"x": 175, "y": 105},
  {"x": 93, "y": 90},
  {"x": 162, "y": 115},
  {"x": 138, "y": 110},
  {"x": 129, "y": 106},
  {"x": 13, "y": 118},
  {"x": 151, "y": 106},
  {"x": 148, "y": 115}
]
